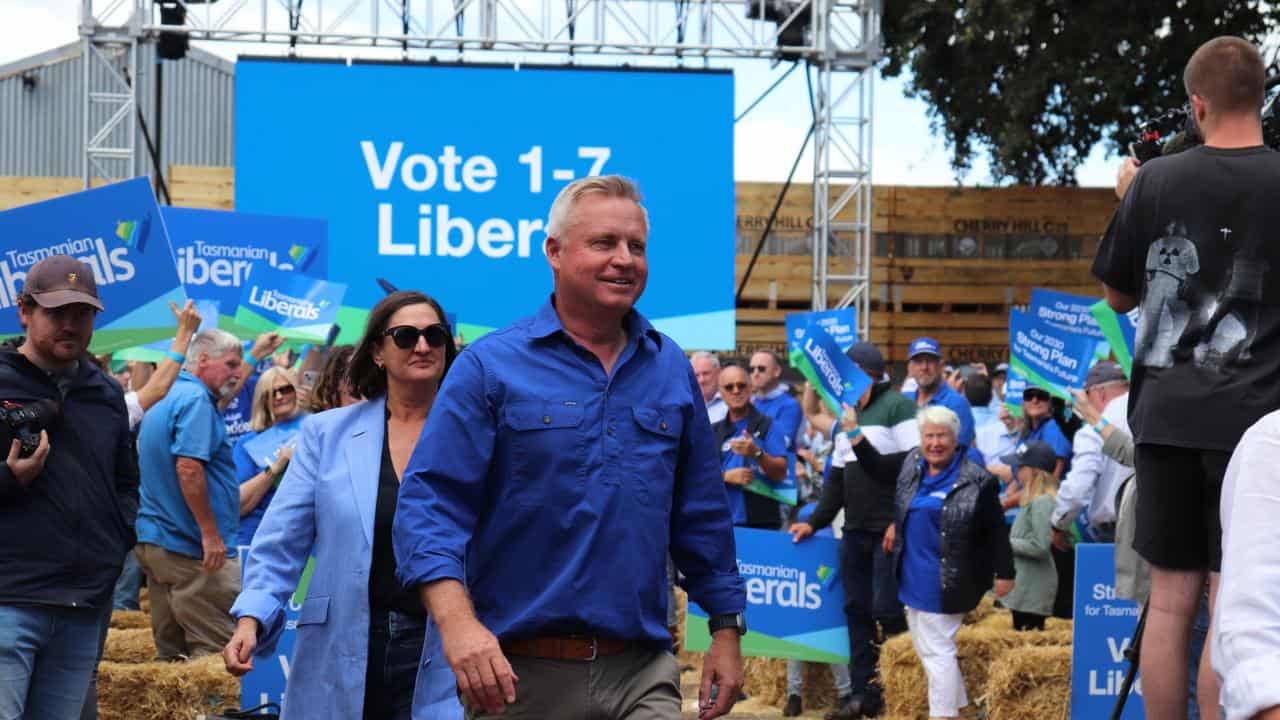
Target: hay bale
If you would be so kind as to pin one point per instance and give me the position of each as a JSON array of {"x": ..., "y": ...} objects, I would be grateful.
[
  {"x": 986, "y": 606},
  {"x": 128, "y": 619},
  {"x": 129, "y": 646},
  {"x": 1030, "y": 682},
  {"x": 165, "y": 691},
  {"x": 144, "y": 600},
  {"x": 902, "y": 675}
]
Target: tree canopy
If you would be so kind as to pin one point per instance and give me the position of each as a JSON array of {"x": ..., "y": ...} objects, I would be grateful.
[{"x": 1035, "y": 84}]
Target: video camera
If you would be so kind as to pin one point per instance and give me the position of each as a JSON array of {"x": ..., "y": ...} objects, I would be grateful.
[
  {"x": 1174, "y": 130},
  {"x": 23, "y": 422}
]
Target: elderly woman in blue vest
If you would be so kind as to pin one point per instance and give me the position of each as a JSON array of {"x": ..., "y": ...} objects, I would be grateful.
[
  {"x": 365, "y": 646},
  {"x": 948, "y": 539}
]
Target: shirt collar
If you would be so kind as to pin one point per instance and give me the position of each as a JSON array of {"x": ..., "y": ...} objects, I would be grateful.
[
  {"x": 188, "y": 377},
  {"x": 782, "y": 388},
  {"x": 547, "y": 323}
]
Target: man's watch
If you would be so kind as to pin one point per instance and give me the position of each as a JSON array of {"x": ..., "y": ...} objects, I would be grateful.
[
  {"x": 721, "y": 622},
  {"x": 759, "y": 453}
]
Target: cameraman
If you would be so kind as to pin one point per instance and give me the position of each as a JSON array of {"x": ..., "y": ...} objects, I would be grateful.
[
  {"x": 67, "y": 511},
  {"x": 1192, "y": 241}
]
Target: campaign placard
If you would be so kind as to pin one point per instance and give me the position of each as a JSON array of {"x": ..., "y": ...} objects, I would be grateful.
[
  {"x": 842, "y": 324},
  {"x": 1120, "y": 331},
  {"x": 118, "y": 231},
  {"x": 1015, "y": 384},
  {"x": 455, "y": 204},
  {"x": 1048, "y": 357},
  {"x": 784, "y": 491},
  {"x": 296, "y": 306},
  {"x": 155, "y": 352},
  {"x": 215, "y": 251},
  {"x": 795, "y": 599},
  {"x": 1102, "y": 630},
  {"x": 265, "y": 447},
  {"x": 836, "y": 378}
]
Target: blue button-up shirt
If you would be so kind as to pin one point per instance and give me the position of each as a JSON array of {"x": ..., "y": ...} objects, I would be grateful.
[
  {"x": 956, "y": 402},
  {"x": 555, "y": 490},
  {"x": 186, "y": 423},
  {"x": 786, "y": 414}
]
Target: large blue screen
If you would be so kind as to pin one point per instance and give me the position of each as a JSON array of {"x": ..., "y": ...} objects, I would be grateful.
[{"x": 439, "y": 178}]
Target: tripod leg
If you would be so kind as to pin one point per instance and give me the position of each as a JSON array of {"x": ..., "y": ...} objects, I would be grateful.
[{"x": 1132, "y": 655}]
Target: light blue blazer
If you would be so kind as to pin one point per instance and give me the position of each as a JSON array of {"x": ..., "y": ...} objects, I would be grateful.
[{"x": 324, "y": 508}]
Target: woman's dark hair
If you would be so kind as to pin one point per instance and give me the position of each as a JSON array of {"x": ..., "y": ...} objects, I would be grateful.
[
  {"x": 327, "y": 394},
  {"x": 366, "y": 379}
]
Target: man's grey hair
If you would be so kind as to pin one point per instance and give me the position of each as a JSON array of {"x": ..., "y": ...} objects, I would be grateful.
[
  {"x": 704, "y": 355},
  {"x": 214, "y": 343},
  {"x": 608, "y": 185},
  {"x": 940, "y": 416}
]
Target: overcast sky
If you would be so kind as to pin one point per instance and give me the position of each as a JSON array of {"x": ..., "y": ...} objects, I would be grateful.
[{"x": 904, "y": 152}]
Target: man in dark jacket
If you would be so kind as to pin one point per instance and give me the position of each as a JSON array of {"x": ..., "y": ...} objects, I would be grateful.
[
  {"x": 888, "y": 418},
  {"x": 66, "y": 510}
]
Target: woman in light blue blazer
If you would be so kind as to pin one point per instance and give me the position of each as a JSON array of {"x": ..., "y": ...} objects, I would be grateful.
[{"x": 365, "y": 647}]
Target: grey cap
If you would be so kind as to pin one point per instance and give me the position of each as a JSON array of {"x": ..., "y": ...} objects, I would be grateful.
[
  {"x": 867, "y": 356},
  {"x": 1104, "y": 372}
]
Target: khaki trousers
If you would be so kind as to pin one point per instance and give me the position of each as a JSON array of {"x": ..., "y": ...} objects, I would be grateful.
[
  {"x": 190, "y": 608},
  {"x": 637, "y": 684}
]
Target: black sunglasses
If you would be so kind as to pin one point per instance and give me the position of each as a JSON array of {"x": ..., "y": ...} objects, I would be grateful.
[
  {"x": 759, "y": 369},
  {"x": 285, "y": 391},
  {"x": 733, "y": 387},
  {"x": 406, "y": 336},
  {"x": 1040, "y": 395}
]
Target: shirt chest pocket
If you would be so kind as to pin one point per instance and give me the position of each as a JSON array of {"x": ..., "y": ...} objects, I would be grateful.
[
  {"x": 545, "y": 437},
  {"x": 653, "y": 453}
]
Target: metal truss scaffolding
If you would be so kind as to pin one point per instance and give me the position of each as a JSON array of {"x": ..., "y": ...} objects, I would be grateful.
[{"x": 838, "y": 39}]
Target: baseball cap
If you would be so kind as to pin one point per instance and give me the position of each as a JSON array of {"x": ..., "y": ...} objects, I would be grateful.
[
  {"x": 1033, "y": 389},
  {"x": 1002, "y": 369},
  {"x": 1104, "y": 372},
  {"x": 867, "y": 356},
  {"x": 61, "y": 280},
  {"x": 924, "y": 346},
  {"x": 1034, "y": 453}
]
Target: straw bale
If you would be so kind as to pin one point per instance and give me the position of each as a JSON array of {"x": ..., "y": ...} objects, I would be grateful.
[
  {"x": 134, "y": 645},
  {"x": 986, "y": 606},
  {"x": 127, "y": 619},
  {"x": 165, "y": 691},
  {"x": 1030, "y": 682},
  {"x": 902, "y": 676}
]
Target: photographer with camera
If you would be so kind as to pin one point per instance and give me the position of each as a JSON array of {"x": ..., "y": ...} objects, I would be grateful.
[
  {"x": 68, "y": 495},
  {"x": 1191, "y": 242}
]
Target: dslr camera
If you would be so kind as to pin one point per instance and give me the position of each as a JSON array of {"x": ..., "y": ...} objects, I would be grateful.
[{"x": 23, "y": 422}]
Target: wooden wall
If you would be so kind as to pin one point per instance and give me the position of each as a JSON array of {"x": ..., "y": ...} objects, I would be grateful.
[{"x": 962, "y": 301}]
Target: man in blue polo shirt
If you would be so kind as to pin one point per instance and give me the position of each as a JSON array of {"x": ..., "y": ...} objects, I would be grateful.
[
  {"x": 191, "y": 504},
  {"x": 770, "y": 397},
  {"x": 751, "y": 447},
  {"x": 924, "y": 365},
  {"x": 564, "y": 457}
]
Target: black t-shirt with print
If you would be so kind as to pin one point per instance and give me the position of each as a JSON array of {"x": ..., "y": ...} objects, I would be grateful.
[{"x": 1195, "y": 240}]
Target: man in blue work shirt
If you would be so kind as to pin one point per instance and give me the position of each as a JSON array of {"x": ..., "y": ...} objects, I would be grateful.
[
  {"x": 191, "y": 504},
  {"x": 751, "y": 446},
  {"x": 924, "y": 365},
  {"x": 772, "y": 399},
  {"x": 568, "y": 453}
]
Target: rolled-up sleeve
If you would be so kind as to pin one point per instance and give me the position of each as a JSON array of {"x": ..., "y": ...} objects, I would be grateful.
[
  {"x": 444, "y": 483},
  {"x": 1246, "y": 642},
  {"x": 701, "y": 528}
]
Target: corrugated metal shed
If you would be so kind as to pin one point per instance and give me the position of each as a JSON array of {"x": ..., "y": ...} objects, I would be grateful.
[{"x": 41, "y": 111}]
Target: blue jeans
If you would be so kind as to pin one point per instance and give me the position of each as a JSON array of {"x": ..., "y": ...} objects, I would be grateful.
[
  {"x": 871, "y": 596},
  {"x": 47, "y": 655},
  {"x": 129, "y": 585},
  {"x": 90, "y": 709},
  {"x": 395, "y": 652}
]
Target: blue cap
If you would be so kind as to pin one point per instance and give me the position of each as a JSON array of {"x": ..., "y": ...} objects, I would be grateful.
[{"x": 924, "y": 346}]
